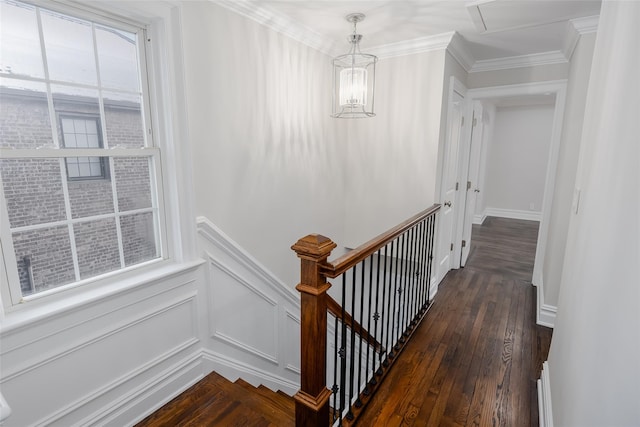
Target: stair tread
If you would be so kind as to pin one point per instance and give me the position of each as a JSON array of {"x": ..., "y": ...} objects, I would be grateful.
[{"x": 216, "y": 401}]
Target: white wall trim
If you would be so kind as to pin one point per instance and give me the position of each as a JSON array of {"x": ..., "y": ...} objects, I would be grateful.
[
  {"x": 414, "y": 46},
  {"x": 545, "y": 414},
  {"x": 214, "y": 235},
  {"x": 545, "y": 313},
  {"x": 278, "y": 22},
  {"x": 478, "y": 219},
  {"x": 576, "y": 28},
  {"x": 531, "y": 60},
  {"x": 47, "y": 359},
  {"x": 62, "y": 412},
  {"x": 433, "y": 288},
  {"x": 459, "y": 49},
  {"x": 512, "y": 213},
  {"x": 233, "y": 369}
]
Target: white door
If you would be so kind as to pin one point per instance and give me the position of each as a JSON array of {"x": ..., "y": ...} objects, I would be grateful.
[
  {"x": 471, "y": 186},
  {"x": 447, "y": 221}
]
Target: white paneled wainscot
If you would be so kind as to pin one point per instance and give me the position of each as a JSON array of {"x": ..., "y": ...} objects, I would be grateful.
[{"x": 254, "y": 319}]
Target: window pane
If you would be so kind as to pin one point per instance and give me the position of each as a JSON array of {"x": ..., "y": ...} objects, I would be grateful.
[
  {"x": 118, "y": 59},
  {"x": 123, "y": 117},
  {"x": 133, "y": 183},
  {"x": 44, "y": 259},
  {"x": 97, "y": 247},
  {"x": 138, "y": 238},
  {"x": 89, "y": 197},
  {"x": 69, "y": 47},
  {"x": 24, "y": 115},
  {"x": 20, "y": 52},
  {"x": 33, "y": 191},
  {"x": 74, "y": 107}
]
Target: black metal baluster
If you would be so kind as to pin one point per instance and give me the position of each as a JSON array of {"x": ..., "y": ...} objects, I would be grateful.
[
  {"x": 362, "y": 287},
  {"x": 407, "y": 285},
  {"x": 353, "y": 340},
  {"x": 423, "y": 263},
  {"x": 395, "y": 297},
  {"x": 412, "y": 302},
  {"x": 420, "y": 251},
  {"x": 343, "y": 350},
  {"x": 432, "y": 221},
  {"x": 334, "y": 389},
  {"x": 386, "y": 285},
  {"x": 366, "y": 370},
  {"x": 376, "y": 317},
  {"x": 400, "y": 257}
]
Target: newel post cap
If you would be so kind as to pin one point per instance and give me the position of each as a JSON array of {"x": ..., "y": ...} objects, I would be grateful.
[{"x": 314, "y": 247}]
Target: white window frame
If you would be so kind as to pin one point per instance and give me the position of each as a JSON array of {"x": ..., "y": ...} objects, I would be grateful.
[{"x": 176, "y": 243}]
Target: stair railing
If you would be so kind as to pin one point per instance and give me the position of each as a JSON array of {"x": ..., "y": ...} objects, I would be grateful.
[{"x": 384, "y": 290}]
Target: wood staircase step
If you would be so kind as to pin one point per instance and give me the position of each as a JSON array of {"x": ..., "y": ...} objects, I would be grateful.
[{"x": 215, "y": 401}]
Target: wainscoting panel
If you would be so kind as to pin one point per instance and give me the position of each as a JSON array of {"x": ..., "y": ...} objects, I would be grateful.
[
  {"x": 254, "y": 326},
  {"x": 89, "y": 363}
]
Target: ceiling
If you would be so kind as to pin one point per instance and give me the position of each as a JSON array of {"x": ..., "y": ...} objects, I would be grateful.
[{"x": 489, "y": 29}]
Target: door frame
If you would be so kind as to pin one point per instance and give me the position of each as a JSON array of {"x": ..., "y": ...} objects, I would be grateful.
[
  {"x": 559, "y": 88},
  {"x": 455, "y": 86}
]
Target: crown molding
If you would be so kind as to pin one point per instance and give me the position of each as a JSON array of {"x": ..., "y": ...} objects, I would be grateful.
[
  {"x": 576, "y": 28},
  {"x": 544, "y": 58},
  {"x": 278, "y": 22},
  {"x": 459, "y": 50},
  {"x": 411, "y": 47}
]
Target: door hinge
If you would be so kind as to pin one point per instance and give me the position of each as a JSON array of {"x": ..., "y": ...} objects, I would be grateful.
[
  {"x": 468, "y": 185},
  {"x": 464, "y": 243},
  {"x": 457, "y": 185},
  {"x": 475, "y": 121},
  {"x": 451, "y": 247}
]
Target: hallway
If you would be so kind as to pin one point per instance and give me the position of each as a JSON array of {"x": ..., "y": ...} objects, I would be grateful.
[{"x": 476, "y": 356}]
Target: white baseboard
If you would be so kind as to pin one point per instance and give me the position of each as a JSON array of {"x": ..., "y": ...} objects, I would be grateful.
[
  {"x": 545, "y": 414},
  {"x": 234, "y": 369},
  {"x": 545, "y": 313},
  {"x": 513, "y": 214},
  {"x": 478, "y": 219}
]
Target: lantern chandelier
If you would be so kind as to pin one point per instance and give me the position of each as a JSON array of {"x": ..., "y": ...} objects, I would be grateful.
[{"x": 354, "y": 77}]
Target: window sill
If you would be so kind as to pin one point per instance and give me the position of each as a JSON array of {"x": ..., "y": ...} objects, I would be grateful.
[{"x": 33, "y": 312}]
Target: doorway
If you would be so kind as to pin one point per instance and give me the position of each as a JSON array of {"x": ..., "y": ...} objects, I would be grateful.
[{"x": 473, "y": 163}]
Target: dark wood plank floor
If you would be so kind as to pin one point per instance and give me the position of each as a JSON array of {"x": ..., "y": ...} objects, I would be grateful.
[
  {"x": 475, "y": 357},
  {"x": 473, "y": 360}
]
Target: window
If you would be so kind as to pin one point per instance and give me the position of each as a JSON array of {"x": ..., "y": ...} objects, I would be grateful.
[
  {"x": 79, "y": 174},
  {"x": 82, "y": 132}
]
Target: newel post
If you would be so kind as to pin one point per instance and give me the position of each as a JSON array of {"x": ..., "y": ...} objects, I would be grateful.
[{"x": 312, "y": 400}]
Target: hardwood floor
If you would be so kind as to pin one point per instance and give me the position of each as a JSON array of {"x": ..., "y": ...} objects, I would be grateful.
[
  {"x": 475, "y": 357},
  {"x": 473, "y": 360}
]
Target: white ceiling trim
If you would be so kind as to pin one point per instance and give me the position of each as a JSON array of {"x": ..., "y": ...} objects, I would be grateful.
[
  {"x": 544, "y": 58},
  {"x": 452, "y": 41},
  {"x": 277, "y": 22},
  {"x": 412, "y": 47},
  {"x": 460, "y": 52},
  {"x": 576, "y": 28}
]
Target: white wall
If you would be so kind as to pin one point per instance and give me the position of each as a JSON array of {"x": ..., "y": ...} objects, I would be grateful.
[
  {"x": 567, "y": 166},
  {"x": 391, "y": 159},
  {"x": 267, "y": 156},
  {"x": 595, "y": 352},
  {"x": 517, "y": 158}
]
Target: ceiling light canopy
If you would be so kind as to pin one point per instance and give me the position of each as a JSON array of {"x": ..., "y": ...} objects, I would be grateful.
[{"x": 354, "y": 77}]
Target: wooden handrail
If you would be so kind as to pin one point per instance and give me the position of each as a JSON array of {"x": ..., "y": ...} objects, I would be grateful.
[
  {"x": 335, "y": 268},
  {"x": 336, "y": 309}
]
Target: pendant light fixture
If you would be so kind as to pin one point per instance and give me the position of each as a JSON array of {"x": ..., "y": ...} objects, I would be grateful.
[{"x": 354, "y": 77}]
